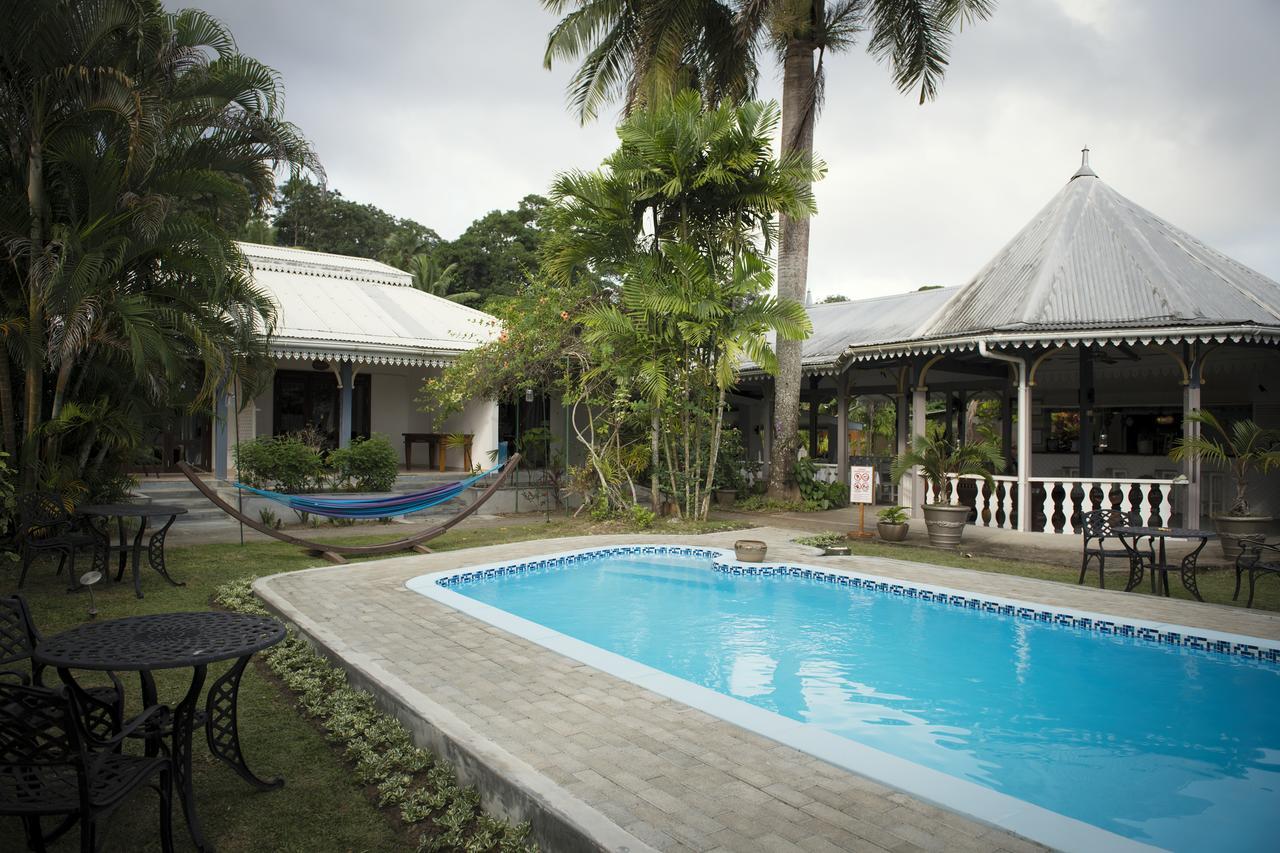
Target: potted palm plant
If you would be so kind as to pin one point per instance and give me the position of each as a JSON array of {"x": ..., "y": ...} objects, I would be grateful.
[
  {"x": 941, "y": 462},
  {"x": 1243, "y": 450},
  {"x": 891, "y": 523}
]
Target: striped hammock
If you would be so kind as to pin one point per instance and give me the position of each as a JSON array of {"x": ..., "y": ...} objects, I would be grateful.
[{"x": 388, "y": 507}]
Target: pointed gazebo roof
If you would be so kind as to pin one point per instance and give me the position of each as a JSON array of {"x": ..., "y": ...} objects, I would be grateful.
[{"x": 1093, "y": 266}]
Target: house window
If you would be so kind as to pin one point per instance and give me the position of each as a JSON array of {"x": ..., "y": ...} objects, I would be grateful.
[{"x": 305, "y": 400}]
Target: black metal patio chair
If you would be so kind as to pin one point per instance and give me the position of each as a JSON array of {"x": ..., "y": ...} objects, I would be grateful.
[
  {"x": 51, "y": 765},
  {"x": 1257, "y": 558},
  {"x": 46, "y": 525},
  {"x": 103, "y": 705},
  {"x": 1097, "y": 527}
]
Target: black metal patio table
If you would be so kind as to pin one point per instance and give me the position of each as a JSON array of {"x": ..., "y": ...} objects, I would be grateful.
[
  {"x": 143, "y": 644},
  {"x": 1187, "y": 567},
  {"x": 155, "y": 545}
]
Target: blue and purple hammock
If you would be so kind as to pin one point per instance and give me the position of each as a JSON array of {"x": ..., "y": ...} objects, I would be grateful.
[{"x": 388, "y": 507}]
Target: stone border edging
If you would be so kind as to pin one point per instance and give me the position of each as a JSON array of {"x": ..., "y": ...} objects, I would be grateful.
[{"x": 508, "y": 786}]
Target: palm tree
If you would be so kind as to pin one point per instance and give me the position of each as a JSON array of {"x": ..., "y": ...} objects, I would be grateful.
[
  {"x": 678, "y": 223},
  {"x": 640, "y": 49},
  {"x": 139, "y": 141},
  {"x": 430, "y": 278}
]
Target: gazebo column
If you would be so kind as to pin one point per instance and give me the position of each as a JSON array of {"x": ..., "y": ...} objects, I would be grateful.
[
  {"x": 842, "y": 426},
  {"x": 900, "y": 439},
  {"x": 1086, "y": 400},
  {"x": 962, "y": 408},
  {"x": 345, "y": 384},
  {"x": 1190, "y": 429},
  {"x": 919, "y": 426},
  {"x": 1008, "y": 400},
  {"x": 1024, "y": 449},
  {"x": 220, "y": 440},
  {"x": 813, "y": 426}
]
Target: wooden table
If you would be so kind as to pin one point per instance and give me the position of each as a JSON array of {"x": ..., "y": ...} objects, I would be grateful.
[{"x": 437, "y": 441}]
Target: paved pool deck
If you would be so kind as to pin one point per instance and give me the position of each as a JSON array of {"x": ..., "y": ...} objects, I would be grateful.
[{"x": 596, "y": 762}]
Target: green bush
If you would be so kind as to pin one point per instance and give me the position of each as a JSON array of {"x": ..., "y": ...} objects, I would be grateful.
[
  {"x": 368, "y": 465},
  {"x": 642, "y": 517},
  {"x": 283, "y": 463},
  {"x": 818, "y": 495}
]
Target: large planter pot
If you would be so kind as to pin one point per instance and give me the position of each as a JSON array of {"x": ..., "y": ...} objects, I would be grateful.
[
  {"x": 1232, "y": 528},
  {"x": 726, "y": 497},
  {"x": 945, "y": 523},
  {"x": 749, "y": 550},
  {"x": 892, "y": 532}
]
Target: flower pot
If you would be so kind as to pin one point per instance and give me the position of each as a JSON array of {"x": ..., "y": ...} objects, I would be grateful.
[
  {"x": 1231, "y": 528},
  {"x": 749, "y": 550},
  {"x": 945, "y": 523},
  {"x": 726, "y": 497},
  {"x": 892, "y": 532}
]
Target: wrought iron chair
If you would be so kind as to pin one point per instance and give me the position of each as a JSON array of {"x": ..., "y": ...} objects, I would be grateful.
[
  {"x": 103, "y": 706},
  {"x": 1251, "y": 560},
  {"x": 45, "y": 525},
  {"x": 50, "y": 765},
  {"x": 1097, "y": 526}
]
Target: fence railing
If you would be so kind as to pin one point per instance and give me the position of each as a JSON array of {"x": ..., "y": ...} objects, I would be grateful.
[{"x": 1059, "y": 503}]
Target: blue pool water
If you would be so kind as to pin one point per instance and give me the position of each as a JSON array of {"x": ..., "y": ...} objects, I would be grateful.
[{"x": 1174, "y": 747}]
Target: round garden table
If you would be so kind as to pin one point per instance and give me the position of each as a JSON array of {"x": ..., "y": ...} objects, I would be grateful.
[
  {"x": 143, "y": 644},
  {"x": 155, "y": 545},
  {"x": 1187, "y": 569}
]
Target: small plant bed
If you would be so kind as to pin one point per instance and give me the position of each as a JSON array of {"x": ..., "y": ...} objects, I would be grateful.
[
  {"x": 832, "y": 544},
  {"x": 422, "y": 790}
]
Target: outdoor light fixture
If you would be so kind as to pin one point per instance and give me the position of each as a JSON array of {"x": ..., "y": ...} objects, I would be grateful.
[
  {"x": 88, "y": 579},
  {"x": 528, "y": 395}
]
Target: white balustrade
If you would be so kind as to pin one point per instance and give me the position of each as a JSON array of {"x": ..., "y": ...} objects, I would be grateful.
[{"x": 1058, "y": 503}]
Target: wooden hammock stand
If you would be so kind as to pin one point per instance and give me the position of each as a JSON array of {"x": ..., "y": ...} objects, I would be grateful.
[{"x": 336, "y": 552}]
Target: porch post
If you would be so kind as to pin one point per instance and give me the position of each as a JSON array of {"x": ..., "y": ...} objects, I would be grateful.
[
  {"x": 842, "y": 426},
  {"x": 919, "y": 420},
  {"x": 1006, "y": 428},
  {"x": 962, "y": 417},
  {"x": 344, "y": 408},
  {"x": 766, "y": 437},
  {"x": 1191, "y": 465},
  {"x": 813, "y": 426},
  {"x": 900, "y": 440},
  {"x": 1086, "y": 412},
  {"x": 1024, "y": 448},
  {"x": 220, "y": 442}
]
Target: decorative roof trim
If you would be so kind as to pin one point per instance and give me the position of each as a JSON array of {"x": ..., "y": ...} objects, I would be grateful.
[{"x": 362, "y": 357}]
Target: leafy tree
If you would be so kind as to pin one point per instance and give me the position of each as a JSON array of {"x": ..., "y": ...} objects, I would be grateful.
[
  {"x": 640, "y": 50},
  {"x": 681, "y": 218},
  {"x": 497, "y": 252},
  {"x": 430, "y": 278},
  {"x": 833, "y": 298},
  {"x": 136, "y": 144}
]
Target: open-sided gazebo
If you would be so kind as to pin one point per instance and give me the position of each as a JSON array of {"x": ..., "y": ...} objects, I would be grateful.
[{"x": 1095, "y": 330}]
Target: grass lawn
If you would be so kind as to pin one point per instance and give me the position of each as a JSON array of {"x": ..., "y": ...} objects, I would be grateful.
[{"x": 320, "y": 808}]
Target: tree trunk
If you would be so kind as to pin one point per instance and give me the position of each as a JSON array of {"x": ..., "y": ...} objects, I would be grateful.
[
  {"x": 8, "y": 426},
  {"x": 793, "y": 264},
  {"x": 34, "y": 378},
  {"x": 655, "y": 498},
  {"x": 705, "y": 509}
]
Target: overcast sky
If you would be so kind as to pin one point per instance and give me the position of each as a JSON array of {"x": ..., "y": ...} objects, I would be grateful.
[{"x": 441, "y": 111}]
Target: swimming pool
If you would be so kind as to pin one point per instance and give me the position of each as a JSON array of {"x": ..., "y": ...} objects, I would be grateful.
[{"x": 1081, "y": 731}]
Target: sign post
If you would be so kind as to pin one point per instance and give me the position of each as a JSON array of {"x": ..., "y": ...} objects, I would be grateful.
[{"x": 862, "y": 480}]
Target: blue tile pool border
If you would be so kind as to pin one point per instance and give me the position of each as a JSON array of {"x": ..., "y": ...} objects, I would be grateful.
[{"x": 1251, "y": 648}]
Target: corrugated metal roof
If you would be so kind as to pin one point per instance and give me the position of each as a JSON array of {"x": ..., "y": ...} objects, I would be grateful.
[
  {"x": 837, "y": 326},
  {"x": 1092, "y": 259},
  {"x": 334, "y": 306}
]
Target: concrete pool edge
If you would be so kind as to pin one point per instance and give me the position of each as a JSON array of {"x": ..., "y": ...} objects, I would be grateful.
[
  {"x": 965, "y": 798},
  {"x": 509, "y": 787}
]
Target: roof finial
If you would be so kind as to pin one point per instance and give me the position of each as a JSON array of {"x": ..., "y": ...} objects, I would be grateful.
[{"x": 1085, "y": 169}]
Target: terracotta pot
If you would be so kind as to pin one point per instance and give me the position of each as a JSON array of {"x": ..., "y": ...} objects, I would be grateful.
[
  {"x": 945, "y": 523},
  {"x": 1231, "y": 528},
  {"x": 749, "y": 550},
  {"x": 892, "y": 532}
]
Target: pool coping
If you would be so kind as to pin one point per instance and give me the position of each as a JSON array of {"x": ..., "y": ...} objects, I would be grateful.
[{"x": 967, "y": 798}]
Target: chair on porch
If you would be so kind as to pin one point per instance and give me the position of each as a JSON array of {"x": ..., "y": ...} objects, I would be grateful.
[
  {"x": 1097, "y": 527},
  {"x": 1250, "y": 559}
]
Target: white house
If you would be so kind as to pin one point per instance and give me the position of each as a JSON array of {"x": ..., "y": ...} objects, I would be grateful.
[{"x": 354, "y": 342}]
